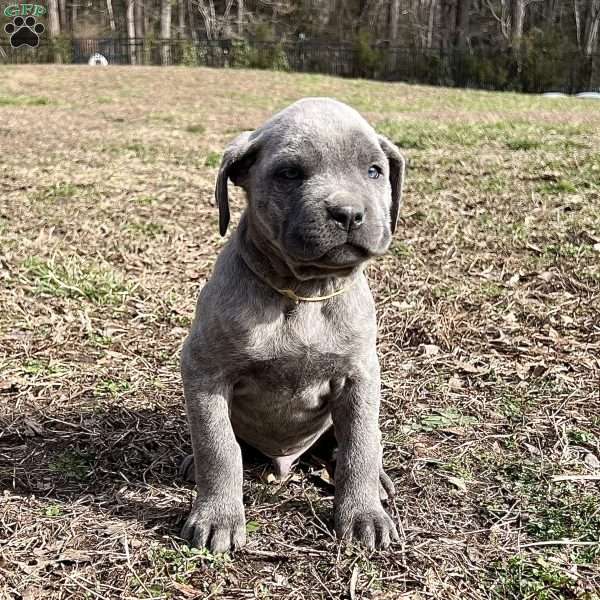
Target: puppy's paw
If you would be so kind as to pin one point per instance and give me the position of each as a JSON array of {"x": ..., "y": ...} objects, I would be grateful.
[
  {"x": 372, "y": 527},
  {"x": 218, "y": 525}
]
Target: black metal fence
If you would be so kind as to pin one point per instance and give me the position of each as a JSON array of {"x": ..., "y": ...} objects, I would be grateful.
[{"x": 527, "y": 72}]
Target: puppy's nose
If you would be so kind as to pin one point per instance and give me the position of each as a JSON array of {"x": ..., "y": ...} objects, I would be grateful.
[{"x": 349, "y": 217}]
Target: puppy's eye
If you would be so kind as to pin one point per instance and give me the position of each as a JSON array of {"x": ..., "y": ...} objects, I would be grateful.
[
  {"x": 290, "y": 173},
  {"x": 374, "y": 172}
]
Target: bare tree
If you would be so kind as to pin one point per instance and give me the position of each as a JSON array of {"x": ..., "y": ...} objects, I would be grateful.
[
  {"x": 139, "y": 18},
  {"x": 192, "y": 21},
  {"x": 213, "y": 23},
  {"x": 62, "y": 4},
  {"x": 394, "y": 14},
  {"x": 180, "y": 18},
  {"x": 240, "y": 17},
  {"x": 517, "y": 18},
  {"x": 131, "y": 31},
  {"x": 502, "y": 15},
  {"x": 431, "y": 22},
  {"x": 74, "y": 7},
  {"x": 53, "y": 19},
  {"x": 54, "y": 26},
  {"x": 590, "y": 30},
  {"x": 165, "y": 31},
  {"x": 111, "y": 15},
  {"x": 463, "y": 10}
]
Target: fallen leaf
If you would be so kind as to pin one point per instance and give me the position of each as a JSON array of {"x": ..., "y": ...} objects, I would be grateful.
[
  {"x": 455, "y": 383},
  {"x": 187, "y": 590},
  {"x": 428, "y": 349},
  {"x": 459, "y": 482},
  {"x": 591, "y": 460}
]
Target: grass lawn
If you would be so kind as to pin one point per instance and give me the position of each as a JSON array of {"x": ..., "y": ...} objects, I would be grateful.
[{"x": 489, "y": 319}]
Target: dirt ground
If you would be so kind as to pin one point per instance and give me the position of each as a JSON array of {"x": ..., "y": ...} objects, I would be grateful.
[{"x": 489, "y": 319}]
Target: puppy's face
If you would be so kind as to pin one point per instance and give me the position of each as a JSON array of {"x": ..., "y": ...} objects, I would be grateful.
[{"x": 320, "y": 185}]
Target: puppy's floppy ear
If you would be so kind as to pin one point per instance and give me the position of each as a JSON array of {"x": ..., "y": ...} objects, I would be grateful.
[
  {"x": 237, "y": 159},
  {"x": 397, "y": 167}
]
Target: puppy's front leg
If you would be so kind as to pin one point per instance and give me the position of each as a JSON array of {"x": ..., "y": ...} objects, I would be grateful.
[
  {"x": 217, "y": 519},
  {"x": 359, "y": 514}
]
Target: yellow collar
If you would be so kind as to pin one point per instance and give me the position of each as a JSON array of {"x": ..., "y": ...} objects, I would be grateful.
[{"x": 293, "y": 296}]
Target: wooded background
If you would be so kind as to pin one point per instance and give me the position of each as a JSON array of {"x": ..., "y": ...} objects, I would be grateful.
[
  {"x": 522, "y": 45},
  {"x": 571, "y": 25}
]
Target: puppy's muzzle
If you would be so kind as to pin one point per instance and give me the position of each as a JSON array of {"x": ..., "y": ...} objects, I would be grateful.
[{"x": 346, "y": 211}]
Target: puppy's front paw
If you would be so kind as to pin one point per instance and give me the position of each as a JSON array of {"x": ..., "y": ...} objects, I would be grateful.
[
  {"x": 218, "y": 525},
  {"x": 371, "y": 526}
]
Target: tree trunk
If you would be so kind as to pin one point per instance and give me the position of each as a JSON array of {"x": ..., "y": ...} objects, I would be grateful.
[
  {"x": 165, "y": 31},
  {"x": 590, "y": 29},
  {"x": 240, "y": 17},
  {"x": 131, "y": 31},
  {"x": 148, "y": 23},
  {"x": 73, "y": 15},
  {"x": 192, "y": 22},
  {"x": 111, "y": 15},
  {"x": 517, "y": 18},
  {"x": 549, "y": 12},
  {"x": 577, "y": 23},
  {"x": 62, "y": 4},
  {"x": 463, "y": 9},
  {"x": 394, "y": 14},
  {"x": 54, "y": 27},
  {"x": 53, "y": 19},
  {"x": 181, "y": 19},
  {"x": 431, "y": 23},
  {"x": 138, "y": 17}
]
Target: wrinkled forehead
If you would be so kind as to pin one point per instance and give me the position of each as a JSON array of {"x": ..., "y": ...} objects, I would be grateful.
[{"x": 321, "y": 134}]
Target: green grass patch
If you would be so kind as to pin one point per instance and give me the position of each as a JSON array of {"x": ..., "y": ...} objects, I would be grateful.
[
  {"x": 112, "y": 387},
  {"x": 54, "y": 510},
  {"x": 72, "y": 464},
  {"x": 180, "y": 563},
  {"x": 24, "y": 101},
  {"x": 566, "y": 514},
  {"x": 197, "y": 129},
  {"x": 73, "y": 278},
  {"x": 440, "y": 419},
  {"x": 33, "y": 366},
  {"x": 149, "y": 229},
  {"x": 516, "y": 135},
  {"x": 59, "y": 192},
  {"x": 560, "y": 186},
  {"x": 534, "y": 578},
  {"x": 522, "y": 144},
  {"x": 213, "y": 159}
]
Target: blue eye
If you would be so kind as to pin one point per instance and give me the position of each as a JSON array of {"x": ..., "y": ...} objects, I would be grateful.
[{"x": 374, "y": 172}]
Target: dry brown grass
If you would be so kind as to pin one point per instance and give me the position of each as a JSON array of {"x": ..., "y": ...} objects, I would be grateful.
[{"x": 489, "y": 314}]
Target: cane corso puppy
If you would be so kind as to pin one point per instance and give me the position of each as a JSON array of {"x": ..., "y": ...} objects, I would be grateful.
[{"x": 282, "y": 346}]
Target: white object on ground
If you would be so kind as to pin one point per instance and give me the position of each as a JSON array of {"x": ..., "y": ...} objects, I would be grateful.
[
  {"x": 97, "y": 60},
  {"x": 589, "y": 95}
]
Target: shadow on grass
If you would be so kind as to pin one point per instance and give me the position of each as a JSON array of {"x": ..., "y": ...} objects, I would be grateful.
[{"x": 124, "y": 462}]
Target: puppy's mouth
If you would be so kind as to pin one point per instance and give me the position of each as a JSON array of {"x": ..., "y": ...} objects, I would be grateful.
[
  {"x": 339, "y": 258},
  {"x": 344, "y": 256}
]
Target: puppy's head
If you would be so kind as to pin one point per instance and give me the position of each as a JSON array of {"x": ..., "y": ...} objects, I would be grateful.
[{"x": 322, "y": 186}]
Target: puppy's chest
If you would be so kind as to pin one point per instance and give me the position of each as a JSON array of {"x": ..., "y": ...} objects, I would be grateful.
[{"x": 298, "y": 351}]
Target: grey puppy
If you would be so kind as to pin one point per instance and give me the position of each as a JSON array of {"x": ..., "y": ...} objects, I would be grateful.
[{"x": 282, "y": 346}]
